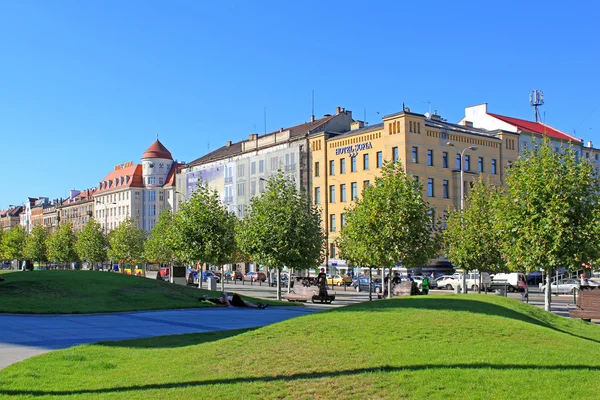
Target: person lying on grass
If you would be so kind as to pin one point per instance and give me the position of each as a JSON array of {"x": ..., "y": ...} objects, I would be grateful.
[{"x": 231, "y": 301}]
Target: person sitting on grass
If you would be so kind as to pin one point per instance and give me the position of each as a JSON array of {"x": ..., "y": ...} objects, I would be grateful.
[{"x": 232, "y": 301}]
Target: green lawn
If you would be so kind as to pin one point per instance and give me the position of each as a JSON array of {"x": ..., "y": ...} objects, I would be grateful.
[
  {"x": 66, "y": 292},
  {"x": 439, "y": 347}
]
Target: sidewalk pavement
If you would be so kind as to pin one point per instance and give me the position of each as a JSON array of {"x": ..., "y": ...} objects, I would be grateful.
[{"x": 23, "y": 335}]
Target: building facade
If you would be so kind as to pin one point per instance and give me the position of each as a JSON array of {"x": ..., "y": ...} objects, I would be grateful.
[
  {"x": 77, "y": 209},
  {"x": 137, "y": 191},
  {"x": 50, "y": 215},
  {"x": 238, "y": 171},
  {"x": 431, "y": 150},
  {"x": 10, "y": 218}
]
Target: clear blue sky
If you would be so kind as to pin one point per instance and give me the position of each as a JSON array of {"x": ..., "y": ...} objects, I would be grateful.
[{"x": 85, "y": 85}]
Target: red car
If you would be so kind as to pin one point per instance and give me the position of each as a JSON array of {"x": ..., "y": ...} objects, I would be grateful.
[{"x": 255, "y": 276}]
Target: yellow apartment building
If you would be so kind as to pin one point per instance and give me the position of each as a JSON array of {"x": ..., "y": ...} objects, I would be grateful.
[{"x": 432, "y": 150}]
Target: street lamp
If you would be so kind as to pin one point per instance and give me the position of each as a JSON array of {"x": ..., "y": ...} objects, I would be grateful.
[
  {"x": 462, "y": 183},
  {"x": 462, "y": 195}
]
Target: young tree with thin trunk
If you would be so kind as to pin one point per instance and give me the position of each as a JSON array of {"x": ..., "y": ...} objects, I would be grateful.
[
  {"x": 157, "y": 247},
  {"x": 204, "y": 230},
  {"x": 13, "y": 244},
  {"x": 390, "y": 223},
  {"x": 472, "y": 237},
  {"x": 282, "y": 228},
  {"x": 91, "y": 243},
  {"x": 549, "y": 216},
  {"x": 61, "y": 245},
  {"x": 35, "y": 245},
  {"x": 126, "y": 243}
]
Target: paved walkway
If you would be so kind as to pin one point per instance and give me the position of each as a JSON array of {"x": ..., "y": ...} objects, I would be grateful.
[{"x": 23, "y": 336}]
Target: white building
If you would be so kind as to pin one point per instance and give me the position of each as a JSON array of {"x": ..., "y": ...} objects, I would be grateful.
[
  {"x": 529, "y": 132},
  {"x": 238, "y": 171},
  {"x": 137, "y": 191}
]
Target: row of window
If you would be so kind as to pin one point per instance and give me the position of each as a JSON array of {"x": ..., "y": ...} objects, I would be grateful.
[
  {"x": 290, "y": 164},
  {"x": 333, "y": 222},
  {"x": 332, "y": 192},
  {"x": 113, "y": 212},
  {"x": 353, "y": 166},
  {"x": 431, "y": 161}
]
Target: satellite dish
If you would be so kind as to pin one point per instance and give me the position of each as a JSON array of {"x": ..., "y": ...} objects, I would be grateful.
[{"x": 428, "y": 115}]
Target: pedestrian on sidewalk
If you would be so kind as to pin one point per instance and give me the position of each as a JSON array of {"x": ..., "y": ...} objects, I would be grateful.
[{"x": 523, "y": 289}]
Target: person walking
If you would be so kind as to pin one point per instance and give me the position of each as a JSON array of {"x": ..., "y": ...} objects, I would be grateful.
[
  {"x": 523, "y": 289},
  {"x": 425, "y": 284}
]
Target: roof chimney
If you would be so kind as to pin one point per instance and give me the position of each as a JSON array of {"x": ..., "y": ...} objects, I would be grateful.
[
  {"x": 253, "y": 136},
  {"x": 280, "y": 129},
  {"x": 338, "y": 110},
  {"x": 590, "y": 144},
  {"x": 312, "y": 118},
  {"x": 228, "y": 144}
]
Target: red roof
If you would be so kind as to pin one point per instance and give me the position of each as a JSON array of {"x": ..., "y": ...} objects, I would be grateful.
[
  {"x": 535, "y": 127},
  {"x": 157, "y": 150},
  {"x": 82, "y": 196},
  {"x": 122, "y": 178},
  {"x": 175, "y": 168}
]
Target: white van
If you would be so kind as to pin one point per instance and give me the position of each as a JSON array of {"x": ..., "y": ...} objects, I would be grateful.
[
  {"x": 510, "y": 280},
  {"x": 473, "y": 280}
]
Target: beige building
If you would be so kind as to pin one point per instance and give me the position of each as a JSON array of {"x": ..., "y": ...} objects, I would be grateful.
[
  {"x": 77, "y": 209},
  {"x": 432, "y": 150},
  {"x": 10, "y": 218}
]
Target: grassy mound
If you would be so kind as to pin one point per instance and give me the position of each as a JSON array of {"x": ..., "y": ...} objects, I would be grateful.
[
  {"x": 67, "y": 292},
  {"x": 423, "y": 347}
]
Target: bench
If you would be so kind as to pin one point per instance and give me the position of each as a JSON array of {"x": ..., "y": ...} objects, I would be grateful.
[
  {"x": 303, "y": 294},
  {"x": 588, "y": 304}
]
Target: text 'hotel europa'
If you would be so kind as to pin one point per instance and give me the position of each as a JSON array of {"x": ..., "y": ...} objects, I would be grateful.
[{"x": 353, "y": 150}]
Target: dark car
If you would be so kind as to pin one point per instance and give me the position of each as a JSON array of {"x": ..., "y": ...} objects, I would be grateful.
[
  {"x": 283, "y": 280},
  {"x": 210, "y": 274},
  {"x": 364, "y": 283}
]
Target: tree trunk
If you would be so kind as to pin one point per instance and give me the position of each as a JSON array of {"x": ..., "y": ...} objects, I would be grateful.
[
  {"x": 290, "y": 280},
  {"x": 548, "y": 294},
  {"x": 390, "y": 284},
  {"x": 370, "y": 285},
  {"x": 200, "y": 277},
  {"x": 278, "y": 283},
  {"x": 464, "y": 285},
  {"x": 223, "y": 278}
]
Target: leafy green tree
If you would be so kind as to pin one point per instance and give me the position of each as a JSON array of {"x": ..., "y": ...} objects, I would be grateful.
[
  {"x": 472, "y": 236},
  {"x": 35, "y": 245},
  {"x": 282, "y": 228},
  {"x": 549, "y": 216},
  {"x": 91, "y": 243},
  {"x": 13, "y": 243},
  {"x": 158, "y": 247},
  {"x": 391, "y": 222},
  {"x": 203, "y": 230},
  {"x": 61, "y": 244},
  {"x": 126, "y": 243},
  {"x": 1, "y": 245}
]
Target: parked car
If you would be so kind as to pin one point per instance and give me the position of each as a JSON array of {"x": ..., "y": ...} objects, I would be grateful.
[
  {"x": 564, "y": 286},
  {"x": 234, "y": 276},
  {"x": 210, "y": 274},
  {"x": 339, "y": 280},
  {"x": 255, "y": 276},
  {"x": 446, "y": 282},
  {"x": 364, "y": 283},
  {"x": 284, "y": 280}
]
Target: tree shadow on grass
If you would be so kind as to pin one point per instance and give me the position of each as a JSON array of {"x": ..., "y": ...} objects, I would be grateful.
[
  {"x": 175, "y": 341},
  {"x": 299, "y": 376},
  {"x": 463, "y": 304}
]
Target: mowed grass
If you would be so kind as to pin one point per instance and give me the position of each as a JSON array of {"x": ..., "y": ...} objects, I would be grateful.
[
  {"x": 67, "y": 292},
  {"x": 438, "y": 347}
]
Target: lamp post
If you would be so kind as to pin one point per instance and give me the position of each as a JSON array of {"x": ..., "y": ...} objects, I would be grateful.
[{"x": 462, "y": 195}]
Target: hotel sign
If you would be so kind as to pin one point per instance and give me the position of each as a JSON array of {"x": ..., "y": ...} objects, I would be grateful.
[{"x": 352, "y": 151}]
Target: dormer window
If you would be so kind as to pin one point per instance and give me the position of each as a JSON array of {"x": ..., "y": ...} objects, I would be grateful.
[
  {"x": 126, "y": 179},
  {"x": 151, "y": 165}
]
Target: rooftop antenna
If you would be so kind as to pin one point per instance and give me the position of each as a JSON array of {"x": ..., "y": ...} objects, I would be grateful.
[
  {"x": 265, "y": 117},
  {"x": 366, "y": 123},
  {"x": 312, "y": 115},
  {"x": 536, "y": 99}
]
